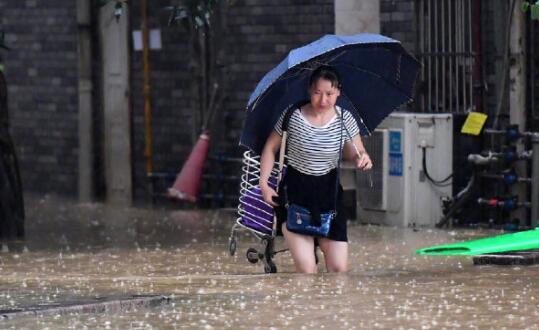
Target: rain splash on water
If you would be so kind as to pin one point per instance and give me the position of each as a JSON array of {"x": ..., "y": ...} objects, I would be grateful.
[{"x": 79, "y": 252}]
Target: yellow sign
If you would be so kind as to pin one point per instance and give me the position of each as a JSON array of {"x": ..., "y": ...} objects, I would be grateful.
[{"x": 474, "y": 123}]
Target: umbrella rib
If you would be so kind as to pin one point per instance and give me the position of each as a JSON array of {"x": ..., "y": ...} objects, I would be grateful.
[
  {"x": 377, "y": 76},
  {"x": 322, "y": 60},
  {"x": 282, "y": 77},
  {"x": 326, "y": 59},
  {"x": 301, "y": 70},
  {"x": 309, "y": 66},
  {"x": 358, "y": 113}
]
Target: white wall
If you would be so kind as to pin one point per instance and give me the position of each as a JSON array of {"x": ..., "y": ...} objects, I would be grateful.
[{"x": 355, "y": 16}]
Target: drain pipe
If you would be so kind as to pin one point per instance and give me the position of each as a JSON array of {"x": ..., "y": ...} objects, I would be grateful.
[
  {"x": 148, "y": 144},
  {"x": 148, "y": 150}
]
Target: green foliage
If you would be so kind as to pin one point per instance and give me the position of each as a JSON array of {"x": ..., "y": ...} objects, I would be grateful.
[
  {"x": 192, "y": 13},
  {"x": 118, "y": 6},
  {"x": 532, "y": 7},
  {"x": 2, "y": 41},
  {"x": 202, "y": 20}
]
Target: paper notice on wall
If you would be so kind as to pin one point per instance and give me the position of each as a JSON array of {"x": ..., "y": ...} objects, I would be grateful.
[
  {"x": 474, "y": 123},
  {"x": 154, "y": 36}
]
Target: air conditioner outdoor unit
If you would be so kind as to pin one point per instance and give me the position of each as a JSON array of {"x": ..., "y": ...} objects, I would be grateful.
[{"x": 401, "y": 194}]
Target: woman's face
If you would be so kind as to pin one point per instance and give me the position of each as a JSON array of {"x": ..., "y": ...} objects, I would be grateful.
[{"x": 323, "y": 95}]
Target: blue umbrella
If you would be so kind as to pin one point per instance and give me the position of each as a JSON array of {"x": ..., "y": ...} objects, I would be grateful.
[{"x": 378, "y": 76}]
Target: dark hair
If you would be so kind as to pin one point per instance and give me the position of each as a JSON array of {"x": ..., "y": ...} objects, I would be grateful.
[{"x": 328, "y": 73}]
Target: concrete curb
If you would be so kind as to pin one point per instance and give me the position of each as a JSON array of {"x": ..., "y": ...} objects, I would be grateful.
[{"x": 103, "y": 305}]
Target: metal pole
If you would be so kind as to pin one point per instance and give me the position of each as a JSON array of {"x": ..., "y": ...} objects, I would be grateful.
[
  {"x": 444, "y": 56},
  {"x": 535, "y": 180},
  {"x": 85, "y": 104},
  {"x": 477, "y": 57},
  {"x": 458, "y": 35},
  {"x": 470, "y": 60},
  {"x": 436, "y": 49},
  {"x": 421, "y": 11},
  {"x": 148, "y": 150},
  {"x": 532, "y": 44},
  {"x": 451, "y": 56},
  {"x": 429, "y": 62},
  {"x": 464, "y": 56},
  {"x": 517, "y": 96}
]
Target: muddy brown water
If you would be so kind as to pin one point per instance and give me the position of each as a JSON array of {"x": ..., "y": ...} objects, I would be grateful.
[{"x": 89, "y": 251}]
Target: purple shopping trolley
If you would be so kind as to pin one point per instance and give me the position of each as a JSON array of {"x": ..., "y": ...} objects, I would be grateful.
[{"x": 254, "y": 214}]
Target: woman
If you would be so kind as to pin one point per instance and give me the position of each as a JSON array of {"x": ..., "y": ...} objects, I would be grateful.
[{"x": 313, "y": 155}]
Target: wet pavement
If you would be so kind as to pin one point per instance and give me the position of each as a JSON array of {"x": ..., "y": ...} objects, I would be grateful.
[{"x": 80, "y": 252}]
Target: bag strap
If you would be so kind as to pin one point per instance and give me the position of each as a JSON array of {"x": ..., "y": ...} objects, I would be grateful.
[
  {"x": 289, "y": 111},
  {"x": 341, "y": 147},
  {"x": 284, "y": 127}
]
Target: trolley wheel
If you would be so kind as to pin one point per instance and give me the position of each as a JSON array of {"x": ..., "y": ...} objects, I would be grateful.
[
  {"x": 270, "y": 267},
  {"x": 232, "y": 246},
  {"x": 252, "y": 255}
]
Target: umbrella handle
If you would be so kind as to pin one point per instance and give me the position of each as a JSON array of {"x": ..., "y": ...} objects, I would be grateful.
[{"x": 358, "y": 154}]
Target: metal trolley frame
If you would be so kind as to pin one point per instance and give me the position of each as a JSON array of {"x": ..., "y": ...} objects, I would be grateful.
[{"x": 255, "y": 215}]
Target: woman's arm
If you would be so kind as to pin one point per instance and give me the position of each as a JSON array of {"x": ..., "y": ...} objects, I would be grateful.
[
  {"x": 267, "y": 159},
  {"x": 363, "y": 160}
]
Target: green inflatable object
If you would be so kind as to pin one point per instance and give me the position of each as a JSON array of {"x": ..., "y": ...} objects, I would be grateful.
[{"x": 524, "y": 240}]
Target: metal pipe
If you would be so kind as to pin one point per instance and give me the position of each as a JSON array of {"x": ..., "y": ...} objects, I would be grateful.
[
  {"x": 470, "y": 56},
  {"x": 501, "y": 203},
  {"x": 464, "y": 56},
  {"x": 429, "y": 48},
  {"x": 477, "y": 159},
  {"x": 535, "y": 180},
  {"x": 148, "y": 145},
  {"x": 478, "y": 56},
  {"x": 421, "y": 23},
  {"x": 501, "y": 177},
  {"x": 458, "y": 28},
  {"x": 493, "y": 131},
  {"x": 450, "y": 49},
  {"x": 436, "y": 38},
  {"x": 531, "y": 46},
  {"x": 444, "y": 58}
]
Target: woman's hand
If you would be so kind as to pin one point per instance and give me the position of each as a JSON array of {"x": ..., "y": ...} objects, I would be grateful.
[
  {"x": 268, "y": 193},
  {"x": 363, "y": 161},
  {"x": 266, "y": 164}
]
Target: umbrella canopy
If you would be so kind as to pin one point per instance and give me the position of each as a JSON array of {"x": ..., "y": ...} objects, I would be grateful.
[{"x": 377, "y": 73}]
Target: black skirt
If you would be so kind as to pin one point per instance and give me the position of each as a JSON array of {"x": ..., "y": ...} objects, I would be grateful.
[{"x": 316, "y": 193}]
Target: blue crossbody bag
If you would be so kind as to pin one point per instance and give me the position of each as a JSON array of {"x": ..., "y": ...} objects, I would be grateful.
[{"x": 299, "y": 220}]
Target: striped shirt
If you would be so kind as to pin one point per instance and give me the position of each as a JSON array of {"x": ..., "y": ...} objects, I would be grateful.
[{"x": 314, "y": 150}]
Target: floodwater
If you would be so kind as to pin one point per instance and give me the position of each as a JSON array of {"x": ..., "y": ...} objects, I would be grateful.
[{"x": 89, "y": 251}]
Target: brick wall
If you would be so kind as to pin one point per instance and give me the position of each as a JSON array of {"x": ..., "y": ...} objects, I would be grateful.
[
  {"x": 262, "y": 36},
  {"x": 41, "y": 71},
  {"x": 171, "y": 112},
  {"x": 42, "y": 74},
  {"x": 258, "y": 36},
  {"x": 397, "y": 21}
]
